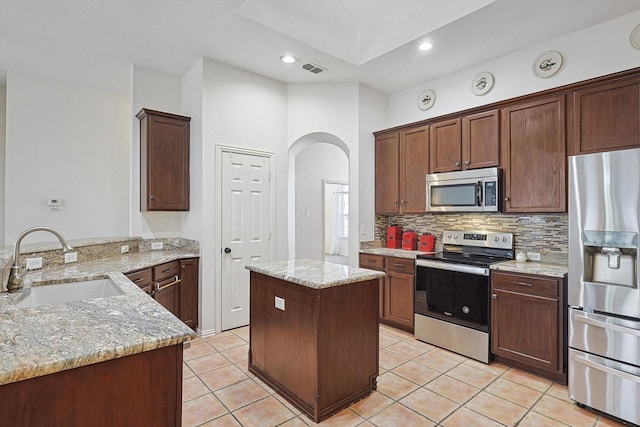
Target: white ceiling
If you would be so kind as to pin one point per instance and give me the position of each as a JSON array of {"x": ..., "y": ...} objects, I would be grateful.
[{"x": 371, "y": 41}]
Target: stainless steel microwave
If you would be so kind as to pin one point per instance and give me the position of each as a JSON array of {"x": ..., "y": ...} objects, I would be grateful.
[{"x": 476, "y": 190}]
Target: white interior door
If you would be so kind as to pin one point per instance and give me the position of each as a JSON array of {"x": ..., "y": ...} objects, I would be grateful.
[{"x": 245, "y": 230}]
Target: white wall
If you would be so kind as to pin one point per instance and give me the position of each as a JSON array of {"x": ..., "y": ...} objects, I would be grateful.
[
  {"x": 67, "y": 141},
  {"x": 331, "y": 109},
  {"x": 317, "y": 162},
  {"x": 157, "y": 91},
  {"x": 232, "y": 107},
  {"x": 3, "y": 128},
  {"x": 595, "y": 51},
  {"x": 373, "y": 112}
]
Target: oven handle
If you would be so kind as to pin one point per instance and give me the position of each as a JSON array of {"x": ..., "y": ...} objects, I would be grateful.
[
  {"x": 606, "y": 369},
  {"x": 461, "y": 268}
]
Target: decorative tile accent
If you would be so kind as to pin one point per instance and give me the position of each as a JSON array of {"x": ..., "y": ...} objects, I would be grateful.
[{"x": 546, "y": 234}]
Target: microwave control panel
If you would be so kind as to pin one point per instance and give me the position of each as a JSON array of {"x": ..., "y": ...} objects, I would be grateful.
[{"x": 490, "y": 193}]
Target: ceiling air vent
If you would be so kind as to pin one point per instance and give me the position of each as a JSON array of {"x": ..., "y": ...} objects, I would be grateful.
[{"x": 313, "y": 68}]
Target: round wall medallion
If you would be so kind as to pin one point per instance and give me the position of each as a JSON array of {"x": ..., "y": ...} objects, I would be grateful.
[
  {"x": 426, "y": 99},
  {"x": 635, "y": 37},
  {"x": 482, "y": 83},
  {"x": 547, "y": 64}
]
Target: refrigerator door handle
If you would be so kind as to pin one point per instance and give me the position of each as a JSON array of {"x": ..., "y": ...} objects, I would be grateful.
[
  {"x": 606, "y": 369},
  {"x": 607, "y": 325}
]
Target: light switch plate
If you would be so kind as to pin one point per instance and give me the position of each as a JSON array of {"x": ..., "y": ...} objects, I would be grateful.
[
  {"x": 33, "y": 263},
  {"x": 70, "y": 257},
  {"x": 280, "y": 303},
  {"x": 124, "y": 249},
  {"x": 156, "y": 246}
]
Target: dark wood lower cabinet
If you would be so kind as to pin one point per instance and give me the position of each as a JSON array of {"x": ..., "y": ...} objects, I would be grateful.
[
  {"x": 189, "y": 292},
  {"x": 529, "y": 323},
  {"x": 143, "y": 389},
  {"x": 396, "y": 290},
  {"x": 321, "y": 351},
  {"x": 174, "y": 285}
]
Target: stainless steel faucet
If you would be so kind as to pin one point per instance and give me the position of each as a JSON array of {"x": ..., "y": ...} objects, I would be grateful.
[{"x": 15, "y": 277}]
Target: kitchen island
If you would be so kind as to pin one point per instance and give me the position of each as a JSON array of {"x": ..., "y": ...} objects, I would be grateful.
[
  {"x": 100, "y": 362},
  {"x": 314, "y": 333}
]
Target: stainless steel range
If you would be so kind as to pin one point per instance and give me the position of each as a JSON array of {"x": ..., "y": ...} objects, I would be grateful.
[
  {"x": 604, "y": 292},
  {"x": 452, "y": 295}
]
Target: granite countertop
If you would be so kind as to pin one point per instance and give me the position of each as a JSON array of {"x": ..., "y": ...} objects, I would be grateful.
[
  {"x": 401, "y": 253},
  {"x": 314, "y": 274},
  {"x": 47, "y": 339},
  {"x": 540, "y": 268}
]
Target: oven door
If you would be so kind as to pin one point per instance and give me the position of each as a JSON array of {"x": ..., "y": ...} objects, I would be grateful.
[{"x": 453, "y": 293}]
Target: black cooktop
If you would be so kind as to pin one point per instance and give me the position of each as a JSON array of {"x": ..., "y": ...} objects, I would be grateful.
[{"x": 470, "y": 256}]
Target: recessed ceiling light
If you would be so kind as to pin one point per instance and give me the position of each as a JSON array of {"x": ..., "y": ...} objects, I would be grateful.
[
  {"x": 425, "y": 46},
  {"x": 288, "y": 59}
]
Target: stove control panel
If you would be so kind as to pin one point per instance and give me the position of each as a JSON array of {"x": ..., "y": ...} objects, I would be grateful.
[{"x": 486, "y": 239}]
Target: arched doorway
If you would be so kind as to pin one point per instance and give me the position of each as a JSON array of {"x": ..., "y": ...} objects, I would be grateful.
[{"x": 317, "y": 161}]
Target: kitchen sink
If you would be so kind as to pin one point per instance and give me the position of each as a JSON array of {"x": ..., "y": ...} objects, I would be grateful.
[{"x": 67, "y": 292}]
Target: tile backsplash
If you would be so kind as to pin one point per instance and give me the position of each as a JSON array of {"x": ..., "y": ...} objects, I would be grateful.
[{"x": 546, "y": 234}]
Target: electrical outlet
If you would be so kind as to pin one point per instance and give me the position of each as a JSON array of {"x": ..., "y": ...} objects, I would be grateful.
[
  {"x": 280, "y": 303},
  {"x": 33, "y": 263},
  {"x": 533, "y": 256},
  {"x": 70, "y": 257},
  {"x": 124, "y": 249},
  {"x": 156, "y": 246}
]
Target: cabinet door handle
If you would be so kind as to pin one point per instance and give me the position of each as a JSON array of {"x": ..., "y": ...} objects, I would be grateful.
[
  {"x": 457, "y": 163},
  {"x": 397, "y": 202},
  {"x": 398, "y": 265},
  {"x": 506, "y": 199},
  {"x": 152, "y": 197},
  {"x": 467, "y": 162},
  {"x": 494, "y": 296},
  {"x": 515, "y": 282}
]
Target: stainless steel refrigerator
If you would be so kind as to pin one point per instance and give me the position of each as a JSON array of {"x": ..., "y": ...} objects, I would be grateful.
[{"x": 604, "y": 294}]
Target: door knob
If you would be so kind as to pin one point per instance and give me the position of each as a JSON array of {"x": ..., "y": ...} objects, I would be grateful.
[{"x": 227, "y": 250}]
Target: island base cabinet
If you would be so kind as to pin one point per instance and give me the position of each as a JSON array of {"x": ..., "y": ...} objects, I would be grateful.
[
  {"x": 319, "y": 350},
  {"x": 143, "y": 389}
]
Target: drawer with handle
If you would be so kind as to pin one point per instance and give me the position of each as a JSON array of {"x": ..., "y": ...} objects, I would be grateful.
[
  {"x": 166, "y": 270},
  {"x": 142, "y": 278},
  {"x": 401, "y": 265},
  {"x": 373, "y": 262},
  {"x": 529, "y": 284}
]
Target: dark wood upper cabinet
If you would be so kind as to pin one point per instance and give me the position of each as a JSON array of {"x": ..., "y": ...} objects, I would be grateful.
[
  {"x": 414, "y": 166},
  {"x": 445, "y": 146},
  {"x": 470, "y": 142},
  {"x": 164, "y": 161},
  {"x": 606, "y": 117},
  {"x": 387, "y": 177},
  {"x": 481, "y": 140},
  {"x": 534, "y": 156},
  {"x": 402, "y": 160}
]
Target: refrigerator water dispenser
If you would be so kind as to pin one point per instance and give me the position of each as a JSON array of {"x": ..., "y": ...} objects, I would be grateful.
[{"x": 610, "y": 257}]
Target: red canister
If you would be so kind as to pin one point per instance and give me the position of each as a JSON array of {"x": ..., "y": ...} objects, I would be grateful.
[
  {"x": 427, "y": 243},
  {"x": 394, "y": 237},
  {"x": 409, "y": 240}
]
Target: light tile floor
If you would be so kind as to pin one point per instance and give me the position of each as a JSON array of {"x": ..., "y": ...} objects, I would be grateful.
[{"x": 419, "y": 385}]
